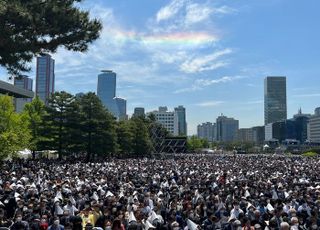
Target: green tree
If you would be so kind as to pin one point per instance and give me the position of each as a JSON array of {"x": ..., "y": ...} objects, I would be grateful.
[
  {"x": 60, "y": 111},
  {"x": 142, "y": 144},
  {"x": 31, "y": 27},
  {"x": 35, "y": 111},
  {"x": 125, "y": 137},
  {"x": 194, "y": 143},
  {"x": 14, "y": 132},
  {"x": 98, "y": 127},
  {"x": 205, "y": 143}
]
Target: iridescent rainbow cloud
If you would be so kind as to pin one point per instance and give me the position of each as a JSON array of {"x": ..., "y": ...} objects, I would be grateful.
[{"x": 184, "y": 38}]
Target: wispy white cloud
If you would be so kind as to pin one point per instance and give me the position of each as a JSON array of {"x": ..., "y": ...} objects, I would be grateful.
[
  {"x": 224, "y": 10},
  {"x": 200, "y": 84},
  {"x": 307, "y": 95},
  {"x": 209, "y": 103},
  {"x": 204, "y": 63},
  {"x": 196, "y": 13},
  {"x": 169, "y": 10},
  {"x": 254, "y": 102}
]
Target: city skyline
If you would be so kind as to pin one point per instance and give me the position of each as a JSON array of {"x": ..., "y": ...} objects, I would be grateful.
[{"x": 209, "y": 56}]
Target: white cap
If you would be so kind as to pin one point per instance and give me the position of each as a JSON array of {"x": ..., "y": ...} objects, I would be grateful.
[
  {"x": 109, "y": 194},
  {"x": 58, "y": 210},
  {"x": 148, "y": 225},
  {"x": 132, "y": 218},
  {"x": 95, "y": 196},
  {"x": 270, "y": 208},
  {"x": 192, "y": 225}
]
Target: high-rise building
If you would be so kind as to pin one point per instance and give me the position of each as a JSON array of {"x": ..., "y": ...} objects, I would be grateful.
[
  {"x": 245, "y": 135},
  {"x": 23, "y": 82},
  {"x": 45, "y": 77},
  {"x": 139, "y": 112},
  {"x": 258, "y": 135},
  {"x": 181, "y": 123},
  {"x": 121, "y": 108},
  {"x": 314, "y": 127},
  {"x": 275, "y": 99},
  {"x": 301, "y": 125},
  {"x": 168, "y": 119},
  {"x": 106, "y": 91},
  {"x": 165, "y": 118},
  {"x": 207, "y": 131},
  {"x": 226, "y": 129}
]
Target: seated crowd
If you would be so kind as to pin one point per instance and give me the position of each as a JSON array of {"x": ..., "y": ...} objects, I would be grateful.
[{"x": 187, "y": 192}]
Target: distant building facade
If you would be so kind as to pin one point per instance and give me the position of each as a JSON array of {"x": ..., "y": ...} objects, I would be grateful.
[
  {"x": 23, "y": 82},
  {"x": 45, "y": 77},
  {"x": 139, "y": 112},
  {"x": 275, "y": 131},
  {"x": 170, "y": 119},
  {"x": 106, "y": 91},
  {"x": 180, "y": 122},
  {"x": 245, "y": 135},
  {"x": 295, "y": 128},
  {"x": 314, "y": 127},
  {"x": 301, "y": 126},
  {"x": 275, "y": 99},
  {"x": 226, "y": 129},
  {"x": 258, "y": 135},
  {"x": 207, "y": 131}
]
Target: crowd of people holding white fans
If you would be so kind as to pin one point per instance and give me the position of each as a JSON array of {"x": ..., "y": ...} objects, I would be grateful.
[{"x": 187, "y": 192}]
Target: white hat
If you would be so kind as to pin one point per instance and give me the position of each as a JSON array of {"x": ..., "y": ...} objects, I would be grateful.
[
  {"x": 95, "y": 196},
  {"x": 247, "y": 194},
  {"x": 132, "y": 218},
  {"x": 286, "y": 195},
  {"x": 152, "y": 217},
  {"x": 72, "y": 200},
  {"x": 16, "y": 195},
  {"x": 148, "y": 225},
  {"x": 274, "y": 195},
  {"x": 109, "y": 194},
  {"x": 58, "y": 210},
  {"x": 59, "y": 196},
  {"x": 192, "y": 225},
  {"x": 270, "y": 208},
  {"x": 160, "y": 193}
]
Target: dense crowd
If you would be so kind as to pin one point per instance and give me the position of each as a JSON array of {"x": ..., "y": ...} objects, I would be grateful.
[{"x": 187, "y": 192}]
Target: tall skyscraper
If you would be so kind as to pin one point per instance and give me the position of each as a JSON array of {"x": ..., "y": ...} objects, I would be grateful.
[
  {"x": 181, "y": 123},
  {"x": 226, "y": 129},
  {"x": 106, "y": 91},
  {"x": 45, "y": 78},
  {"x": 23, "y": 82},
  {"x": 275, "y": 99}
]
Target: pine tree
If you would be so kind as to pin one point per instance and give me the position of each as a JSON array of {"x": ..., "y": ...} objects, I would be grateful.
[{"x": 31, "y": 27}]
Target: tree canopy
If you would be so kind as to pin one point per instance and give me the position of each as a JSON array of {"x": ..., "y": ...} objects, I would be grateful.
[
  {"x": 28, "y": 28},
  {"x": 14, "y": 132}
]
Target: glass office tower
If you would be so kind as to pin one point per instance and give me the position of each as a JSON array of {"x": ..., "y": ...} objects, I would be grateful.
[
  {"x": 45, "y": 77},
  {"x": 275, "y": 99}
]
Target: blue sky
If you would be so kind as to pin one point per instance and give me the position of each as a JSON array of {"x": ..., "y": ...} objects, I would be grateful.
[{"x": 209, "y": 55}]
